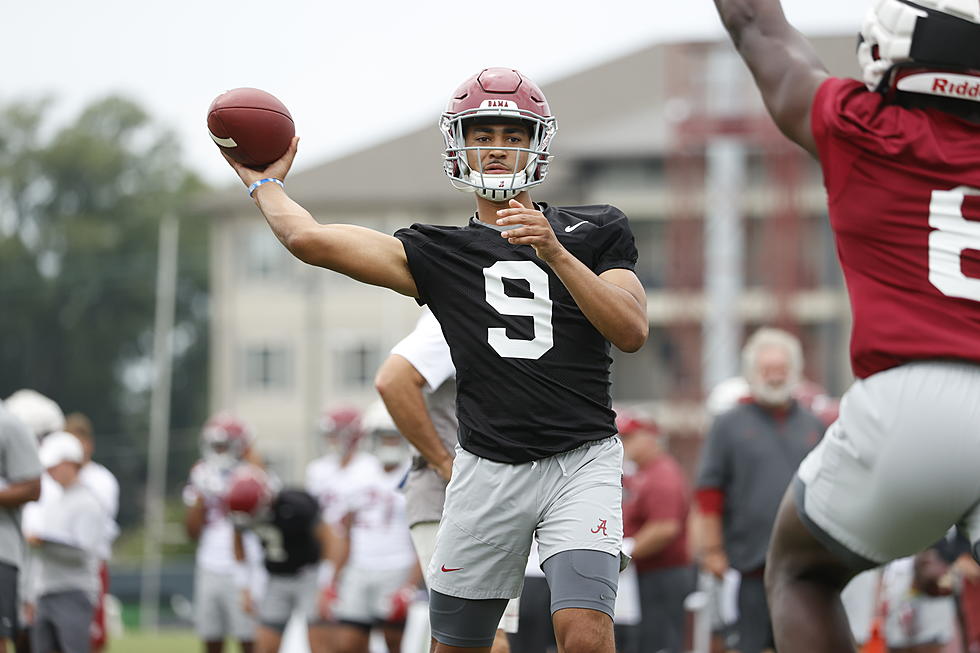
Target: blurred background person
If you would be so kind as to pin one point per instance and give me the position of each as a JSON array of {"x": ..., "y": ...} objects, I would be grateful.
[
  {"x": 42, "y": 415},
  {"x": 20, "y": 483},
  {"x": 379, "y": 575},
  {"x": 104, "y": 485},
  {"x": 920, "y": 612},
  {"x": 655, "y": 514},
  {"x": 218, "y": 612},
  {"x": 750, "y": 455},
  {"x": 287, "y": 522},
  {"x": 342, "y": 469},
  {"x": 417, "y": 383},
  {"x": 65, "y": 583}
]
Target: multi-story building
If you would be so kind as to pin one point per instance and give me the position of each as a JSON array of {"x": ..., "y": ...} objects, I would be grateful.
[{"x": 730, "y": 223}]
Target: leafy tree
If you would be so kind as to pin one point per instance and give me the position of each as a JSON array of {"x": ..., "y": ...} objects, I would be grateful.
[{"x": 79, "y": 215}]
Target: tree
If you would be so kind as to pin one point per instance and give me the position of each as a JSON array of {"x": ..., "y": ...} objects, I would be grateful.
[{"x": 79, "y": 214}]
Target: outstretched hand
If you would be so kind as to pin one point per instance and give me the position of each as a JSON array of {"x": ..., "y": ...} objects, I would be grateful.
[
  {"x": 534, "y": 230},
  {"x": 277, "y": 169}
]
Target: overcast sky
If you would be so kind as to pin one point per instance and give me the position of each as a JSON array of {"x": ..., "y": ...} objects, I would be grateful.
[{"x": 351, "y": 73}]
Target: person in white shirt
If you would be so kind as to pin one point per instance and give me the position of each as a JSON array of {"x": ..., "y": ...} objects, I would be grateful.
[
  {"x": 380, "y": 574},
  {"x": 417, "y": 384},
  {"x": 104, "y": 485},
  {"x": 65, "y": 583}
]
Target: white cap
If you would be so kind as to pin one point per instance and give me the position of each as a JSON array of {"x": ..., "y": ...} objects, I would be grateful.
[
  {"x": 60, "y": 447},
  {"x": 41, "y": 414},
  {"x": 377, "y": 419}
]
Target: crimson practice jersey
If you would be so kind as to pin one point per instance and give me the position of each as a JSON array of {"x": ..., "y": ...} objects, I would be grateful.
[
  {"x": 904, "y": 193},
  {"x": 532, "y": 371}
]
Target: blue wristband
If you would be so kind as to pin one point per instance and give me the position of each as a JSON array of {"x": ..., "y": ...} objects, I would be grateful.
[{"x": 251, "y": 189}]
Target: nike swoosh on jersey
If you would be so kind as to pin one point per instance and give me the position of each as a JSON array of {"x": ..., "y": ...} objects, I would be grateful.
[
  {"x": 444, "y": 568},
  {"x": 570, "y": 228}
]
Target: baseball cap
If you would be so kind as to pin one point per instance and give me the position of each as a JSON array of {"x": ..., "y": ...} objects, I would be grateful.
[{"x": 60, "y": 447}]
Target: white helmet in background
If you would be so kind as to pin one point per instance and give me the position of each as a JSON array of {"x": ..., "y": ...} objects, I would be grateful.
[
  {"x": 386, "y": 441},
  {"x": 41, "y": 414},
  {"x": 927, "y": 46},
  {"x": 726, "y": 395}
]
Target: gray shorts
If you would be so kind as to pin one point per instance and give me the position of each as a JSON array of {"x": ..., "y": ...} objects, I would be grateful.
[
  {"x": 569, "y": 501},
  {"x": 364, "y": 595},
  {"x": 9, "y": 604},
  {"x": 218, "y": 609},
  {"x": 286, "y": 594},
  {"x": 899, "y": 466},
  {"x": 62, "y": 622}
]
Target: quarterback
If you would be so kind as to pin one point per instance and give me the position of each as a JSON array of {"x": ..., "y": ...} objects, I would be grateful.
[
  {"x": 902, "y": 173},
  {"x": 529, "y": 297}
]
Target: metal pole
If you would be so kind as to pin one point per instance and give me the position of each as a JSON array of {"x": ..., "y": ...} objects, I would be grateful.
[
  {"x": 156, "y": 470},
  {"x": 723, "y": 256}
]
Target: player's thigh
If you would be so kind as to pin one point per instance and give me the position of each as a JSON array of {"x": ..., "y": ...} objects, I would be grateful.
[
  {"x": 354, "y": 598},
  {"x": 899, "y": 465},
  {"x": 276, "y": 605},
  {"x": 70, "y": 617},
  {"x": 583, "y": 505},
  {"x": 9, "y": 602},
  {"x": 384, "y": 584},
  {"x": 211, "y": 595},
  {"x": 485, "y": 535},
  {"x": 424, "y": 540}
]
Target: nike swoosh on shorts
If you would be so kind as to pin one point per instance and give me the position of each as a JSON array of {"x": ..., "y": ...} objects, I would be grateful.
[{"x": 573, "y": 227}]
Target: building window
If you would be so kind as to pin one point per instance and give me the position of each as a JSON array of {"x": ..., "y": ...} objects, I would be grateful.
[
  {"x": 262, "y": 257},
  {"x": 266, "y": 367},
  {"x": 357, "y": 364}
]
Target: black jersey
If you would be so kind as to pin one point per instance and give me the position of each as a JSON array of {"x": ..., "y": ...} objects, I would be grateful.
[
  {"x": 532, "y": 372},
  {"x": 288, "y": 534}
]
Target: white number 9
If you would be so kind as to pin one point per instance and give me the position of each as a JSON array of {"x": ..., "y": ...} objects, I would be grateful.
[{"x": 538, "y": 307}]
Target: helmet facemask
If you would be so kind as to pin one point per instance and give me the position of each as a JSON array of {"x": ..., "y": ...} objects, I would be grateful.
[{"x": 496, "y": 187}]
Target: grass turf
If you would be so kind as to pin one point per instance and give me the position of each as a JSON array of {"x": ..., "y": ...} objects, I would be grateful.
[{"x": 164, "y": 641}]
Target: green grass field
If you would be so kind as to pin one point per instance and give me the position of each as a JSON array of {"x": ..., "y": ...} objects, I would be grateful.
[{"x": 165, "y": 641}]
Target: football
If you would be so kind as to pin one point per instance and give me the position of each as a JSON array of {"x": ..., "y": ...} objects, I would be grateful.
[{"x": 253, "y": 127}]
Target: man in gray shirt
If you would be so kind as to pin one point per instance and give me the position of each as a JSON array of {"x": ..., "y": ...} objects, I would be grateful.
[
  {"x": 65, "y": 583},
  {"x": 749, "y": 458},
  {"x": 20, "y": 483}
]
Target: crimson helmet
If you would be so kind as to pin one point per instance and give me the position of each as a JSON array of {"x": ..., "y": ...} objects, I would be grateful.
[
  {"x": 926, "y": 46},
  {"x": 249, "y": 493},
  {"x": 342, "y": 429},
  {"x": 497, "y": 93},
  {"x": 225, "y": 439},
  {"x": 630, "y": 422}
]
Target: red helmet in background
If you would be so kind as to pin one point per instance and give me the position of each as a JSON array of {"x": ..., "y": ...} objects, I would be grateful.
[
  {"x": 499, "y": 94},
  {"x": 249, "y": 493},
  {"x": 629, "y": 422},
  {"x": 342, "y": 428},
  {"x": 225, "y": 439}
]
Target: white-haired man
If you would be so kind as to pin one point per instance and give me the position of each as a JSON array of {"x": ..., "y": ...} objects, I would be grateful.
[{"x": 750, "y": 456}]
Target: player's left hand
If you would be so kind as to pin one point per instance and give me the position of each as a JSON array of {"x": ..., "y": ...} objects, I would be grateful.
[
  {"x": 328, "y": 596},
  {"x": 535, "y": 230},
  {"x": 400, "y": 601}
]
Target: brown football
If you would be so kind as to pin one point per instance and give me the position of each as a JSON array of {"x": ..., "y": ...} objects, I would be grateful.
[{"x": 251, "y": 126}]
